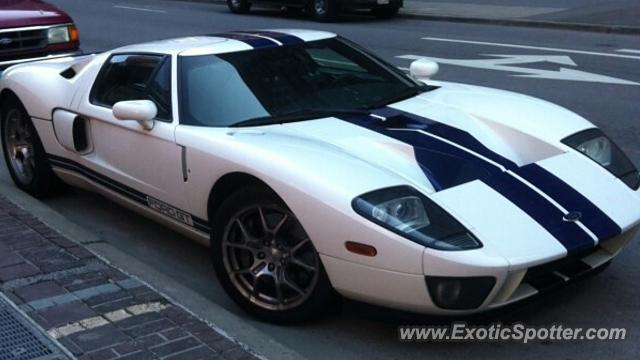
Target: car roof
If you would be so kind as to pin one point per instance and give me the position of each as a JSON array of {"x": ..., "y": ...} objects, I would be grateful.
[{"x": 226, "y": 42}]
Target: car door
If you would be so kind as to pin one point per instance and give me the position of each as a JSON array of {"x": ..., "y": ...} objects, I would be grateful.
[{"x": 147, "y": 163}]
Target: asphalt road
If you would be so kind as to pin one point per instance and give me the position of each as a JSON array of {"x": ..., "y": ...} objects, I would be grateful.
[{"x": 608, "y": 300}]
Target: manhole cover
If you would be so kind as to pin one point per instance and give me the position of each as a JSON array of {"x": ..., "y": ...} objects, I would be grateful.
[{"x": 20, "y": 340}]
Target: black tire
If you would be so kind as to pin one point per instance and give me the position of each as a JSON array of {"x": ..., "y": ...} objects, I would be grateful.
[
  {"x": 239, "y": 6},
  {"x": 385, "y": 12},
  {"x": 293, "y": 10},
  {"x": 317, "y": 298},
  {"x": 43, "y": 181},
  {"x": 324, "y": 10}
]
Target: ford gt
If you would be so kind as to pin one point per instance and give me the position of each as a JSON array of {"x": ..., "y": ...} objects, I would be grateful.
[{"x": 313, "y": 169}]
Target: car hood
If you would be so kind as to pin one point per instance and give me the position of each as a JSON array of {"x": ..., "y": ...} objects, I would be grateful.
[
  {"x": 494, "y": 160},
  {"x": 518, "y": 128},
  {"x": 25, "y": 13}
]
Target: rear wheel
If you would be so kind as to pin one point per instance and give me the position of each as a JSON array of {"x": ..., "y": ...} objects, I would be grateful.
[
  {"x": 24, "y": 153},
  {"x": 239, "y": 6},
  {"x": 265, "y": 260},
  {"x": 324, "y": 10},
  {"x": 293, "y": 10}
]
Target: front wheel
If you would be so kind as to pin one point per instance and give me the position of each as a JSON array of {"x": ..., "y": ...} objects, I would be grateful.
[
  {"x": 239, "y": 6},
  {"x": 265, "y": 260},
  {"x": 23, "y": 151},
  {"x": 324, "y": 10}
]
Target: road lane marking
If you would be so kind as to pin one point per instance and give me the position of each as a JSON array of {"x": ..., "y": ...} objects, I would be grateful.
[
  {"x": 516, "y": 46},
  {"x": 513, "y": 64},
  {"x": 139, "y": 9},
  {"x": 108, "y": 318},
  {"x": 631, "y": 51}
]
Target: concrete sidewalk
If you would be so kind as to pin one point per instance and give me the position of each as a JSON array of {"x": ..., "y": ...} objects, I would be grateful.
[
  {"x": 93, "y": 310},
  {"x": 622, "y": 16}
]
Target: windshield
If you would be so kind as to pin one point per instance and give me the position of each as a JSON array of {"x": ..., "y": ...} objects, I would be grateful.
[{"x": 227, "y": 89}]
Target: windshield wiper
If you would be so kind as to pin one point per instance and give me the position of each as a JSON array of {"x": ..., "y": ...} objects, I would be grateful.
[
  {"x": 298, "y": 115},
  {"x": 409, "y": 93}
]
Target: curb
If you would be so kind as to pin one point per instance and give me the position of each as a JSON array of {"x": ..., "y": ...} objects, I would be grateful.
[
  {"x": 232, "y": 326},
  {"x": 408, "y": 14},
  {"x": 611, "y": 29}
]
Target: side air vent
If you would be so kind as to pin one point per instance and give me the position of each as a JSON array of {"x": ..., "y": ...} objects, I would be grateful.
[
  {"x": 70, "y": 73},
  {"x": 80, "y": 136},
  {"x": 73, "y": 132}
]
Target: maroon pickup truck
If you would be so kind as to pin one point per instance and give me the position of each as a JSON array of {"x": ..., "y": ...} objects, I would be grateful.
[{"x": 34, "y": 30}]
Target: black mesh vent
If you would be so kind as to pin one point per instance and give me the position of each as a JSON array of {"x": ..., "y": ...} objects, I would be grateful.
[{"x": 19, "y": 340}]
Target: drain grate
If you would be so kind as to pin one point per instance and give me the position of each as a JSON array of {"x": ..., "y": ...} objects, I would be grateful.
[{"x": 20, "y": 340}]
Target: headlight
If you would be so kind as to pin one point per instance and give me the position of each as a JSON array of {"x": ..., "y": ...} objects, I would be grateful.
[
  {"x": 407, "y": 212},
  {"x": 62, "y": 34},
  {"x": 598, "y": 147}
]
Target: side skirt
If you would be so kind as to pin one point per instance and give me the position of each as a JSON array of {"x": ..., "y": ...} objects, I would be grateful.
[{"x": 150, "y": 210}]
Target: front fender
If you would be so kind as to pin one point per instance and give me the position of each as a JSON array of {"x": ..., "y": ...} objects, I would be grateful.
[{"x": 317, "y": 181}]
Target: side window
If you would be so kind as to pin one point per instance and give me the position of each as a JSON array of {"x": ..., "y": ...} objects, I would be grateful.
[
  {"x": 159, "y": 89},
  {"x": 135, "y": 77}
]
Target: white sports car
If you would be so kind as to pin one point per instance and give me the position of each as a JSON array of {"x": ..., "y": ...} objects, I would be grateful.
[{"x": 313, "y": 168}]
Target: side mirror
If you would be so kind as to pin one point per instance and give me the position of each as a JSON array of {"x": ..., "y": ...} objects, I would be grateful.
[
  {"x": 142, "y": 111},
  {"x": 423, "y": 69}
]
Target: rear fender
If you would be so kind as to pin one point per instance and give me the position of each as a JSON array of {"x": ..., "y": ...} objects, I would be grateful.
[{"x": 44, "y": 86}]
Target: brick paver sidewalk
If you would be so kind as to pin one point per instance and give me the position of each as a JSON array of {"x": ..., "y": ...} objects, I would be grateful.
[{"x": 91, "y": 308}]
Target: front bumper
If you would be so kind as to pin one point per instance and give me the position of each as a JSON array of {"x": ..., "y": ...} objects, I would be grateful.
[
  {"x": 524, "y": 283},
  {"x": 410, "y": 292}
]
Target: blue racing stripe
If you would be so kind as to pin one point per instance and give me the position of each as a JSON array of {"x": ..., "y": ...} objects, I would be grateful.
[
  {"x": 446, "y": 165},
  {"x": 284, "y": 38},
  {"x": 592, "y": 217},
  {"x": 450, "y": 133},
  {"x": 251, "y": 40},
  {"x": 569, "y": 234}
]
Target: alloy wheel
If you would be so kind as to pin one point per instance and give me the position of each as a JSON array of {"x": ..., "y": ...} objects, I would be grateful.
[
  {"x": 320, "y": 7},
  {"x": 19, "y": 145},
  {"x": 269, "y": 258}
]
